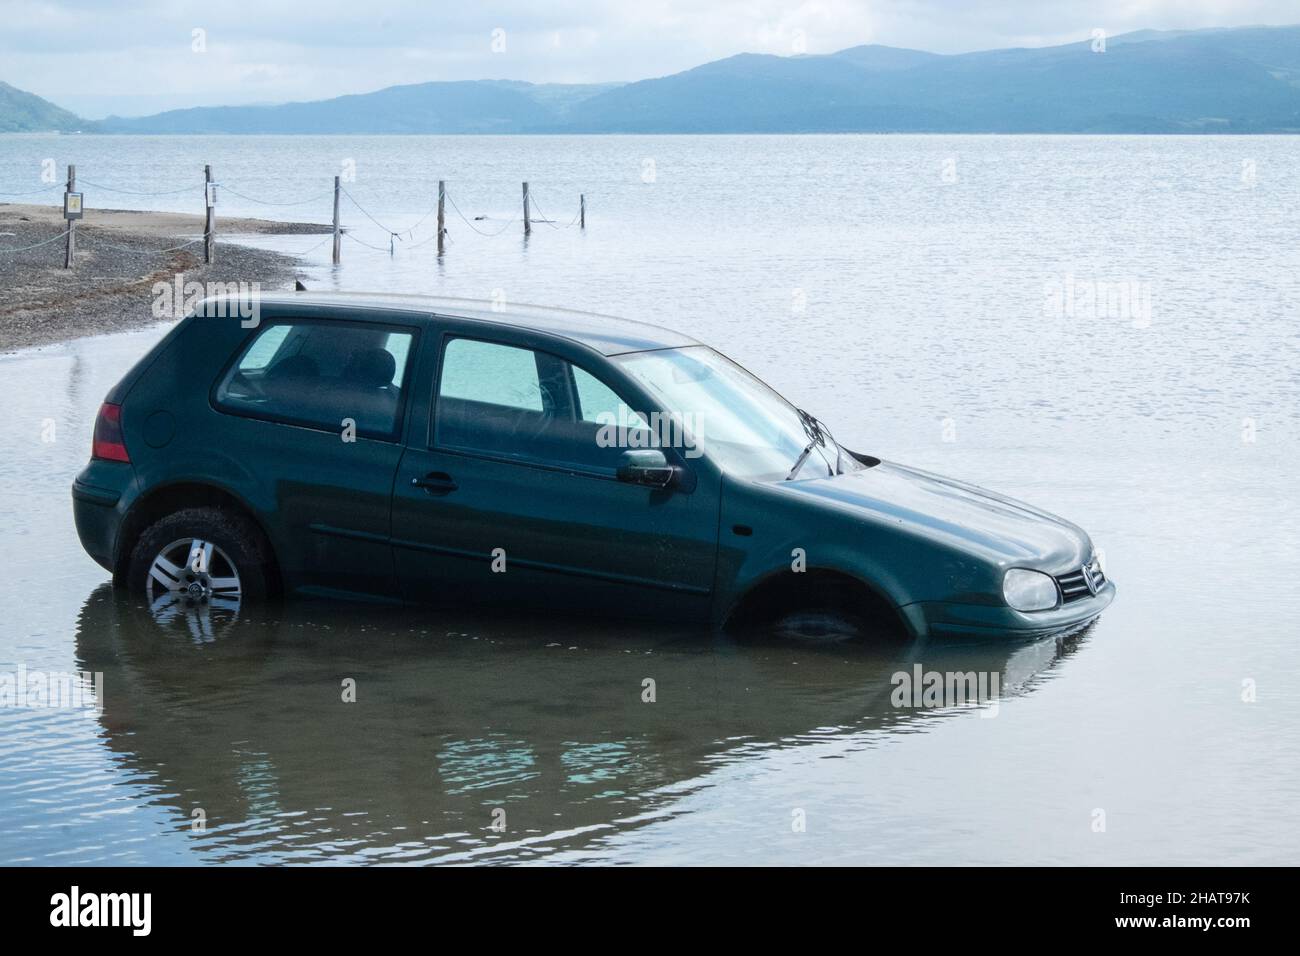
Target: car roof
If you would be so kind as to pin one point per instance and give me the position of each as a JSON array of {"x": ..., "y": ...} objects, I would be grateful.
[{"x": 607, "y": 334}]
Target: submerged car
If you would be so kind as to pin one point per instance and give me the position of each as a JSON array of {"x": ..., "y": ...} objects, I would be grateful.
[{"x": 443, "y": 451}]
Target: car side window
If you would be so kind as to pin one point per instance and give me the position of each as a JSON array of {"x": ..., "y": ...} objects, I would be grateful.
[
  {"x": 511, "y": 402},
  {"x": 595, "y": 398},
  {"x": 320, "y": 373},
  {"x": 597, "y": 402}
]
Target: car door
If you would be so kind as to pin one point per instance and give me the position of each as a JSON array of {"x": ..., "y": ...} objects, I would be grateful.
[
  {"x": 315, "y": 407},
  {"x": 512, "y": 496}
]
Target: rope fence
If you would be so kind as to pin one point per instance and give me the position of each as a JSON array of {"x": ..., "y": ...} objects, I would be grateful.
[
  {"x": 272, "y": 202},
  {"x": 33, "y": 192},
  {"x": 35, "y": 245},
  {"x": 144, "y": 192},
  {"x": 97, "y": 242},
  {"x": 73, "y": 210}
]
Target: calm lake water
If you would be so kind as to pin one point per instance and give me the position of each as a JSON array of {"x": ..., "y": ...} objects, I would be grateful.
[{"x": 1104, "y": 326}]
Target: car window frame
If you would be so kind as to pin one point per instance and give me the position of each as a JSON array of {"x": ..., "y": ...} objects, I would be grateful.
[
  {"x": 408, "y": 383},
  {"x": 532, "y": 461}
]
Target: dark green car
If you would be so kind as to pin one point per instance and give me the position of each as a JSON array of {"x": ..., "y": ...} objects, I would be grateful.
[{"x": 442, "y": 451}]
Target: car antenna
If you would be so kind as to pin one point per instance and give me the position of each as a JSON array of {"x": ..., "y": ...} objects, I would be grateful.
[{"x": 298, "y": 286}]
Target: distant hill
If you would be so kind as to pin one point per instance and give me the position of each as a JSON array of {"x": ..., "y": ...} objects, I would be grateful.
[
  {"x": 559, "y": 99},
  {"x": 469, "y": 106},
  {"x": 1244, "y": 80},
  {"x": 22, "y": 112},
  {"x": 879, "y": 59}
]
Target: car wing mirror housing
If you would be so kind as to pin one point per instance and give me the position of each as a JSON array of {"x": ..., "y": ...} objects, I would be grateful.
[{"x": 647, "y": 466}]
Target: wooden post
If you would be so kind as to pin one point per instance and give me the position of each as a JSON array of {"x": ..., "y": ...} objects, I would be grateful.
[
  {"x": 582, "y": 210},
  {"x": 209, "y": 224},
  {"x": 528, "y": 226},
  {"x": 71, "y": 250},
  {"x": 337, "y": 234},
  {"x": 442, "y": 196}
]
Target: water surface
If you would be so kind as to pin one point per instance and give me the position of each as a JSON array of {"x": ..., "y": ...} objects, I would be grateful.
[{"x": 905, "y": 300}]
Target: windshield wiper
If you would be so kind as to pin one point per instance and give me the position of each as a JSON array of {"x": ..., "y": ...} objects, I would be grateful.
[
  {"x": 826, "y": 433},
  {"x": 818, "y": 435},
  {"x": 803, "y": 456}
]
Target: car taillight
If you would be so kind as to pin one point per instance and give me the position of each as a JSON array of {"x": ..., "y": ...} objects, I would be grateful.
[{"x": 108, "y": 443}]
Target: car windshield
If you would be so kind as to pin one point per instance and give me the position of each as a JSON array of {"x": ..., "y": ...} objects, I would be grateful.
[{"x": 746, "y": 428}]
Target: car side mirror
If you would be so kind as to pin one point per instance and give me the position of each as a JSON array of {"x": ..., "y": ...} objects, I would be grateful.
[{"x": 647, "y": 467}]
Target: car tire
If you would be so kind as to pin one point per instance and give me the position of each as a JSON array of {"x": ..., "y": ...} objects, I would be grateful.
[
  {"x": 833, "y": 611},
  {"x": 822, "y": 625},
  {"x": 237, "y": 538}
]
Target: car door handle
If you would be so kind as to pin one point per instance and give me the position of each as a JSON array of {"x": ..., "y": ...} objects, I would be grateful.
[{"x": 435, "y": 483}]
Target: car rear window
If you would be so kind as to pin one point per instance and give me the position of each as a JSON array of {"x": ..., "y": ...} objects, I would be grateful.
[{"x": 322, "y": 373}]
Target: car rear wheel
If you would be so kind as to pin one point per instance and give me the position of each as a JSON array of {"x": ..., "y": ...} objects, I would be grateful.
[{"x": 197, "y": 557}]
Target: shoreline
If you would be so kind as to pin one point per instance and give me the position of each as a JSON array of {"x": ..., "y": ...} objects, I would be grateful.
[{"x": 120, "y": 255}]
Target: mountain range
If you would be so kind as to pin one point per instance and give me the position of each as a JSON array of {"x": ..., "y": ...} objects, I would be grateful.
[
  {"x": 22, "y": 112},
  {"x": 1240, "y": 80}
]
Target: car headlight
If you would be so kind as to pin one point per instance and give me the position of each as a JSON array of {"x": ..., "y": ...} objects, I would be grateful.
[{"x": 1027, "y": 590}]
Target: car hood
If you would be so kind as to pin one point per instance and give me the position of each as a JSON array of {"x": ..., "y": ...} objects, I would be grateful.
[{"x": 1001, "y": 528}]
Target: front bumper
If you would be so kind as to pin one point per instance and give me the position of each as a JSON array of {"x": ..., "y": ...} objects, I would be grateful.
[{"x": 947, "y": 619}]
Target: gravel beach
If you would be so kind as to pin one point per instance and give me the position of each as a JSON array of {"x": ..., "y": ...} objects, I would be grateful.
[{"x": 120, "y": 255}]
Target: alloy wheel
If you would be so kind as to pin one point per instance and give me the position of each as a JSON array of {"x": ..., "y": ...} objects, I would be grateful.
[{"x": 191, "y": 574}]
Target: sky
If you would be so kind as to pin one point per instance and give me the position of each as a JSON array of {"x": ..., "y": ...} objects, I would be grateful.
[{"x": 133, "y": 57}]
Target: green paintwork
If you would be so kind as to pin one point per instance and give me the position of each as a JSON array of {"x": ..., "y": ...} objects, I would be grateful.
[{"x": 345, "y": 518}]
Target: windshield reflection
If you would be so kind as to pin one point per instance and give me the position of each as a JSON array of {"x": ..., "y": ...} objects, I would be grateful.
[{"x": 748, "y": 429}]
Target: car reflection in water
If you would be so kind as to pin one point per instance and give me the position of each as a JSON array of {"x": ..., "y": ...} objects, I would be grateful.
[
  {"x": 203, "y": 617},
  {"x": 456, "y": 715}
]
